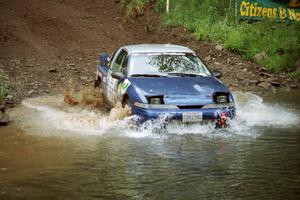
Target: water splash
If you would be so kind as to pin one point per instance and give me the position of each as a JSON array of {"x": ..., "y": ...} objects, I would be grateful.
[
  {"x": 119, "y": 112},
  {"x": 253, "y": 111},
  {"x": 252, "y": 114},
  {"x": 86, "y": 113}
]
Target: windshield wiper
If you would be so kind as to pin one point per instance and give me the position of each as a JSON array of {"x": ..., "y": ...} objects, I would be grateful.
[
  {"x": 184, "y": 74},
  {"x": 147, "y": 75}
]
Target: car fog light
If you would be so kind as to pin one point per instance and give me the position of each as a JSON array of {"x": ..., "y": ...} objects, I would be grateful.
[
  {"x": 222, "y": 99},
  {"x": 155, "y": 100}
]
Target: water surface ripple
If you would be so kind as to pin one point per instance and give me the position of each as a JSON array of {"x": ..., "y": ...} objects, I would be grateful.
[{"x": 64, "y": 152}]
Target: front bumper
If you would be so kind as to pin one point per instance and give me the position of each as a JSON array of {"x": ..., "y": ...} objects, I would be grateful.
[{"x": 208, "y": 114}]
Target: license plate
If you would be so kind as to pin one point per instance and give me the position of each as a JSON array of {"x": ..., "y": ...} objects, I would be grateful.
[{"x": 192, "y": 117}]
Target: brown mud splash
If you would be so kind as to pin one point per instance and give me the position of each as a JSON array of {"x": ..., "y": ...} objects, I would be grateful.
[
  {"x": 70, "y": 99},
  {"x": 94, "y": 98},
  {"x": 86, "y": 97}
]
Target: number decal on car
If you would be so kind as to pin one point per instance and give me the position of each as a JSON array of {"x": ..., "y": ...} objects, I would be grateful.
[
  {"x": 112, "y": 86},
  {"x": 122, "y": 88}
]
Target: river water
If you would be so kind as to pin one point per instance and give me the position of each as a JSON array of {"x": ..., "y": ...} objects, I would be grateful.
[{"x": 53, "y": 150}]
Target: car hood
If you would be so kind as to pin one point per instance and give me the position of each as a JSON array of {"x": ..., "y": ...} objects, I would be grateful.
[{"x": 180, "y": 90}]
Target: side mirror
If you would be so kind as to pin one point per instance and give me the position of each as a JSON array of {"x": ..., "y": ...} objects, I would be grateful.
[
  {"x": 104, "y": 58},
  {"x": 117, "y": 75},
  {"x": 217, "y": 74}
]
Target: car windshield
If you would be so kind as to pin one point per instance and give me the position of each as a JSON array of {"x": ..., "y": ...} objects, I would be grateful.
[{"x": 167, "y": 64}]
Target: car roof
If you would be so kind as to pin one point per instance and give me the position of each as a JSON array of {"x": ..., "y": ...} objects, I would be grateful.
[{"x": 156, "y": 48}]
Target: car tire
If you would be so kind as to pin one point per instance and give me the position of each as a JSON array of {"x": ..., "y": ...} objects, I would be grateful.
[
  {"x": 97, "y": 83},
  {"x": 127, "y": 102}
]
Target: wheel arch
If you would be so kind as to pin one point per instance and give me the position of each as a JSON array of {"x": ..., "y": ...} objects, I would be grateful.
[{"x": 125, "y": 98}]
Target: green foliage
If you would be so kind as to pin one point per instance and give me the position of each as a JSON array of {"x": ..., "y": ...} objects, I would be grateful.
[
  {"x": 160, "y": 6},
  {"x": 295, "y": 74},
  {"x": 133, "y": 6},
  {"x": 234, "y": 41},
  {"x": 3, "y": 90},
  {"x": 214, "y": 20}
]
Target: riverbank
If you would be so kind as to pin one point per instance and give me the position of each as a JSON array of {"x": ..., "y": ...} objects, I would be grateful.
[
  {"x": 49, "y": 47},
  {"x": 271, "y": 44}
]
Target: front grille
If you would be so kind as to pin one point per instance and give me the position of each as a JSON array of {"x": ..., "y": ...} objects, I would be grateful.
[{"x": 190, "y": 107}]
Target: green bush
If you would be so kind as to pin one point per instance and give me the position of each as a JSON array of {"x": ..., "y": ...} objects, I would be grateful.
[
  {"x": 3, "y": 90},
  {"x": 295, "y": 74},
  {"x": 133, "y": 6},
  {"x": 234, "y": 41},
  {"x": 214, "y": 20}
]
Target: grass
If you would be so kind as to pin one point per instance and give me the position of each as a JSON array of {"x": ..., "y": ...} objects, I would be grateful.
[
  {"x": 134, "y": 6},
  {"x": 3, "y": 90},
  {"x": 214, "y": 21},
  {"x": 295, "y": 74}
]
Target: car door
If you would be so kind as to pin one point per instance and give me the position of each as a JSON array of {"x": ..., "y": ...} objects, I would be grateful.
[
  {"x": 102, "y": 71},
  {"x": 118, "y": 64}
]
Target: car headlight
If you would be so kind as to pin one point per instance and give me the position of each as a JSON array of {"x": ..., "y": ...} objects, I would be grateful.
[
  {"x": 221, "y": 99},
  {"x": 155, "y": 100}
]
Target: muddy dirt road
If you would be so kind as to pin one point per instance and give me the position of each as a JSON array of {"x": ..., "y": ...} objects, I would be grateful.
[{"x": 46, "y": 44}]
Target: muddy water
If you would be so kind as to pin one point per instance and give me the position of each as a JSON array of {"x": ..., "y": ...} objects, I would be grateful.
[{"x": 53, "y": 150}]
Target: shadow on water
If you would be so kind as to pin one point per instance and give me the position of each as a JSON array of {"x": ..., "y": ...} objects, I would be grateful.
[{"x": 78, "y": 152}]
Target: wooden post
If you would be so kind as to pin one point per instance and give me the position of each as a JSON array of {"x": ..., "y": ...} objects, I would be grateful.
[
  {"x": 236, "y": 12},
  {"x": 168, "y": 6}
]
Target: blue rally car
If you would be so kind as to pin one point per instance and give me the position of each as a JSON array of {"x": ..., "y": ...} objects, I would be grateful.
[{"x": 164, "y": 80}]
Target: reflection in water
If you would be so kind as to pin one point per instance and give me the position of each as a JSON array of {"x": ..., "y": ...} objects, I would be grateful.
[
  {"x": 57, "y": 160},
  {"x": 181, "y": 167}
]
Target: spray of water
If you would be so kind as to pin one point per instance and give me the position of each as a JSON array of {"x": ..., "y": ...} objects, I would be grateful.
[
  {"x": 87, "y": 113},
  {"x": 84, "y": 112},
  {"x": 253, "y": 111}
]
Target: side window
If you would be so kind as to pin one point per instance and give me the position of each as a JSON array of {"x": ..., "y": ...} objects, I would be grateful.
[
  {"x": 112, "y": 58},
  {"x": 121, "y": 61}
]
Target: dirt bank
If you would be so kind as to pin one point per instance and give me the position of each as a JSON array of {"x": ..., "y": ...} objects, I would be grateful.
[{"x": 46, "y": 44}]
